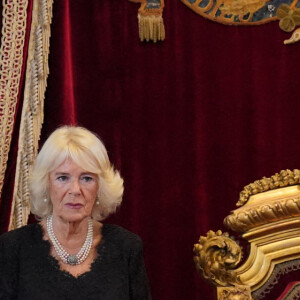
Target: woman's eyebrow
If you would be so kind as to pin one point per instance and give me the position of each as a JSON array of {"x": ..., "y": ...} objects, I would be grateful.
[
  {"x": 88, "y": 173},
  {"x": 61, "y": 173}
]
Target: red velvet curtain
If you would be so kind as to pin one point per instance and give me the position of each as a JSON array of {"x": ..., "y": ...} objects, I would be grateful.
[{"x": 188, "y": 121}]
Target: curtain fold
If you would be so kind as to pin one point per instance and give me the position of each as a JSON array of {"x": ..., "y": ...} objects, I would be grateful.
[{"x": 69, "y": 103}]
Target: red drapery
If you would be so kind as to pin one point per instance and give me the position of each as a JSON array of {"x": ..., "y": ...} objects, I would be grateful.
[{"x": 189, "y": 121}]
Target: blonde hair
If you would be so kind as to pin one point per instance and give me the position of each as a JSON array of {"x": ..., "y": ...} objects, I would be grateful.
[{"x": 89, "y": 153}]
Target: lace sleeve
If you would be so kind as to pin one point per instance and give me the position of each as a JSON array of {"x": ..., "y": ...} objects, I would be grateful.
[
  {"x": 8, "y": 267},
  {"x": 139, "y": 287}
]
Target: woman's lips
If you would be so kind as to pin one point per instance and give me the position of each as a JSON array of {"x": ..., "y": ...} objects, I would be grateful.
[{"x": 74, "y": 205}]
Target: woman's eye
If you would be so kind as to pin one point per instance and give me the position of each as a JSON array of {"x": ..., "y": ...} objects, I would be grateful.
[
  {"x": 87, "y": 178},
  {"x": 62, "y": 178}
]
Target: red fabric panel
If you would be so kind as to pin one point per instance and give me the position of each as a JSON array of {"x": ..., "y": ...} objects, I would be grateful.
[{"x": 8, "y": 185}]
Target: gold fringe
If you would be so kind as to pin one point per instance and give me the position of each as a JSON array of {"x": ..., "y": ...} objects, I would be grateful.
[
  {"x": 151, "y": 27},
  {"x": 151, "y": 24},
  {"x": 33, "y": 109},
  {"x": 14, "y": 17}
]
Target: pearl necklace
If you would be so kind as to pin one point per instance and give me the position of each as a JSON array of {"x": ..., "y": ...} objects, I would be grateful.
[{"x": 71, "y": 259}]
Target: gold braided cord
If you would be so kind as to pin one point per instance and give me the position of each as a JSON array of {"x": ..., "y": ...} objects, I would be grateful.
[
  {"x": 14, "y": 17},
  {"x": 33, "y": 108}
]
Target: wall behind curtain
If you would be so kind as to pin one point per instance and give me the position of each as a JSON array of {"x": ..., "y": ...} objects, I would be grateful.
[{"x": 189, "y": 121}]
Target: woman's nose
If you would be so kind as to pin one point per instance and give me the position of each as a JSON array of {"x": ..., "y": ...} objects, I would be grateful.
[{"x": 75, "y": 188}]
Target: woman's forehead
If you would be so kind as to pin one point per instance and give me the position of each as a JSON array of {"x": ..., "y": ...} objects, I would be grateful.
[
  {"x": 67, "y": 166},
  {"x": 81, "y": 165}
]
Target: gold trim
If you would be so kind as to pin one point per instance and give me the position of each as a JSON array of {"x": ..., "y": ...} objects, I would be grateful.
[
  {"x": 279, "y": 180},
  {"x": 14, "y": 18},
  {"x": 33, "y": 108},
  {"x": 266, "y": 252},
  {"x": 264, "y": 208}
]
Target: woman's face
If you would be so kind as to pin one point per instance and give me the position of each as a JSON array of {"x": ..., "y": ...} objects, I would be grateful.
[{"x": 72, "y": 191}]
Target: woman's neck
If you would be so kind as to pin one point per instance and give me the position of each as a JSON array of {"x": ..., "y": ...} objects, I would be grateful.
[{"x": 67, "y": 232}]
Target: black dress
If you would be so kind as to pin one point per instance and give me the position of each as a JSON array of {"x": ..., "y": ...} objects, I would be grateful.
[{"x": 27, "y": 271}]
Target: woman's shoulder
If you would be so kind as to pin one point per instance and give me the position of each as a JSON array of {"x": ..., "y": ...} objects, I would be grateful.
[
  {"x": 120, "y": 235},
  {"x": 20, "y": 234}
]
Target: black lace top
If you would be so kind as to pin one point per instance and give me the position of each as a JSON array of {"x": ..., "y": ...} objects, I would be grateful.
[{"x": 27, "y": 271}]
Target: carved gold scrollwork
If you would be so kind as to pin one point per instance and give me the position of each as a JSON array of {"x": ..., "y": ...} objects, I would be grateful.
[
  {"x": 282, "y": 179},
  {"x": 269, "y": 219},
  {"x": 216, "y": 255},
  {"x": 234, "y": 293},
  {"x": 261, "y": 214}
]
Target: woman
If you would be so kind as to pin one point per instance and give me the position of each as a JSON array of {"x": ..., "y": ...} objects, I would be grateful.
[{"x": 70, "y": 254}]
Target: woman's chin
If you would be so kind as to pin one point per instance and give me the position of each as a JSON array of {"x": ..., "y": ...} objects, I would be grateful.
[{"x": 73, "y": 216}]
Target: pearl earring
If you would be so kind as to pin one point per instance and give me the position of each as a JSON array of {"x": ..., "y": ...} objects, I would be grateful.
[{"x": 45, "y": 200}]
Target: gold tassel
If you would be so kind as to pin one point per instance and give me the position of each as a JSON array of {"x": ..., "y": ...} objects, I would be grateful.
[
  {"x": 151, "y": 24},
  {"x": 151, "y": 27}
]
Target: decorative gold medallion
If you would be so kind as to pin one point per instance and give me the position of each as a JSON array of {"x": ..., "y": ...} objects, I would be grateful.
[
  {"x": 239, "y": 12},
  {"x": 251, "y": 12}
]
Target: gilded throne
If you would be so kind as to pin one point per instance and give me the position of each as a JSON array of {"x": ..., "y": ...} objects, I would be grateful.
[{"x": 268, "y": 218}]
